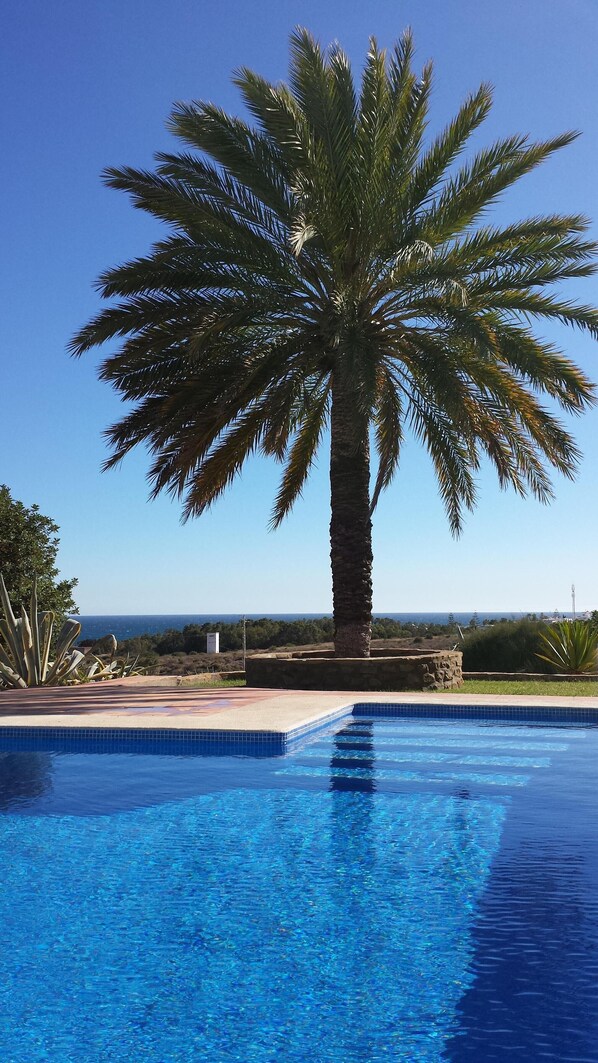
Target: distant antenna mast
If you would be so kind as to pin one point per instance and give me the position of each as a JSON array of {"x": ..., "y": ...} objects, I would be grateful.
[{"x": 573, "y": 599}]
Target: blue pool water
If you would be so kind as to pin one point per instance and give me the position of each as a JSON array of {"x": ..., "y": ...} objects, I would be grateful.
[{"x": 391, "y": 889}]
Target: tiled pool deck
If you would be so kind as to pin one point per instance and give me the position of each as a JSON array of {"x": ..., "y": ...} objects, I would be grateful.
[{"x": 146, "y": 705}]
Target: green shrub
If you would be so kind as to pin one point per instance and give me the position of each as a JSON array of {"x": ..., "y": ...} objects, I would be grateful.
[{"x": 505, "y": 647}]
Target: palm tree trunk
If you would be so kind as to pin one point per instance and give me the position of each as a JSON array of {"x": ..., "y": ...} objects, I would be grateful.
[{"x": 350, "y": 526}]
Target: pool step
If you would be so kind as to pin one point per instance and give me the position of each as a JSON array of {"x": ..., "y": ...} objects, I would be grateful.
[
  {"x": 354, "y": 756},
  {"x": 365, "y": 753},
  {"x": 401, "y": 775},
  {"x": 508, "y": 745},
  {"x": 488, "y": 733}
]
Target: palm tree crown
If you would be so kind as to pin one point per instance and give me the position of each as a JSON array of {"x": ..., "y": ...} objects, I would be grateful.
[{"x": 325, "y": 267}]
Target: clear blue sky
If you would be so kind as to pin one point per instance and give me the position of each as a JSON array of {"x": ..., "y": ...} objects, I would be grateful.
[{"x": 86, "y": 85}]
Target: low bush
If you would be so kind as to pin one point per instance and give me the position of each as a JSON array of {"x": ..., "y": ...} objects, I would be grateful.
[{"x": 508, "y": 647}]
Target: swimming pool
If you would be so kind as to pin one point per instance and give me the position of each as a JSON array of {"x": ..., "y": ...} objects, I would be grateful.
[{"x": 392, "y": 888}]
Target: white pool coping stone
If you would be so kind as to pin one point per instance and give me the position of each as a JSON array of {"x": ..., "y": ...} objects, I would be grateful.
[{"x": 285, "y": 713}]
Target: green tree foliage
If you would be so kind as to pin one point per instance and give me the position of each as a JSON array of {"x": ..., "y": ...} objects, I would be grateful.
[
  {"x": 266, "y": 633},
  {"x": 328, "y": 265},
  {"x": 28, "y": 547}
]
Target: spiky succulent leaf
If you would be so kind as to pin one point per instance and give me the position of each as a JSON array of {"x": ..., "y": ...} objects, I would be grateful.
[
  {"x": 570, "y": 646},
  {"x": 10, "y": 678},
  {"x": 46, "y": 627},
  {"x": 69, "y": 632},
  {"x": 9, "y": 631},
  {"x": 36, "y": 635},
  {"x": 25, "y": 646},
  {"x": 63, "y": 667}
]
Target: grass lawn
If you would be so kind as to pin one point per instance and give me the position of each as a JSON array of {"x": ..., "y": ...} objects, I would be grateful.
[
  {"x": 576, "y": 688},
  {"x": 582, "y": 688},
  {"x": 196, "y": 682}
]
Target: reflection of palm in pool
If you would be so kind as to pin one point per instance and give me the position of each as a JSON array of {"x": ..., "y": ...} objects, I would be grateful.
[{"x": 24, "y": 777}]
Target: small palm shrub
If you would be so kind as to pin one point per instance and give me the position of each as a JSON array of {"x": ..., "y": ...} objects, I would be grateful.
[{"x": 570, "y": 646}]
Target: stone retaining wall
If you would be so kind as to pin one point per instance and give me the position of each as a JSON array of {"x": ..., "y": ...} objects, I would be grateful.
[{"x": 314, "y": 670}]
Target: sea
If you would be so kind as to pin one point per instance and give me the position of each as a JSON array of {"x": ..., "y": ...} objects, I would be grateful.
[{"x": 127, "y": 627}]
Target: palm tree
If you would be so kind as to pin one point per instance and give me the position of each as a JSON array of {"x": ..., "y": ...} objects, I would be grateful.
[{"x": 326, "y": 268}]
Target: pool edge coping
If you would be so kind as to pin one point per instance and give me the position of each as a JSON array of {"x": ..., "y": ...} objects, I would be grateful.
[{"x": 280, "y": 740}]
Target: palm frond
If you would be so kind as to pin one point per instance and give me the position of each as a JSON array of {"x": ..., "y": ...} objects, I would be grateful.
[
  {"x": 302, "y": 453},
  {"x": 388, "y": 429},
  {"x": 325, "y": 240}
]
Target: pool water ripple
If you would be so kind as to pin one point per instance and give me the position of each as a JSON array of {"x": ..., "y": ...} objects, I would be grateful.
[{"x": 323, "y": 906}]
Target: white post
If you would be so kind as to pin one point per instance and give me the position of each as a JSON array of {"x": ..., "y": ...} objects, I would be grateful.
[{"x": 573, "y": 599}]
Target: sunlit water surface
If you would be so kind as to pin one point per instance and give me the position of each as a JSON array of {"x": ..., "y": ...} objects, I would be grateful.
[{"x": 404, "y": 889}]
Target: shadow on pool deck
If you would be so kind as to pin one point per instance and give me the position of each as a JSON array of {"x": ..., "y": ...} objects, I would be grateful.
[
  {"x": 149, "y": 702},
  {"x": 126, "y": 697}
]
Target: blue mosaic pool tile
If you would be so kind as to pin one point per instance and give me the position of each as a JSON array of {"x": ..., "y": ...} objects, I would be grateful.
[
  {"x": 521, "y": 713},
  {"x": 107, "y": 739},
  {"x": 276, "y": 743},
  {"x": 245, "y": 741}
]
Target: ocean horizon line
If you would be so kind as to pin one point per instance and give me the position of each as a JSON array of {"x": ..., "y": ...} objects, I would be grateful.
[
  {"x": 328, "y": 612},
  {"x": 131, "y": 625}
]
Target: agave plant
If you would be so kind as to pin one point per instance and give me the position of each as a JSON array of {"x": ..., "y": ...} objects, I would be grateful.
[
  {"x": 570, "y": 646},
  {"x": 25, "y": 643},
  {"x": 125, "y": 666},
  {"x": 94, "y": 668}
]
